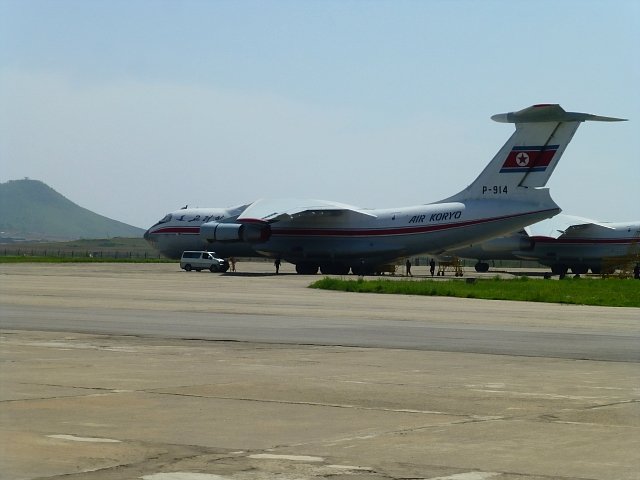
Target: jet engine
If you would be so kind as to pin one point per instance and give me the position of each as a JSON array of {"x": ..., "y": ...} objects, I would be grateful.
[{"x": 235, "y": 232}]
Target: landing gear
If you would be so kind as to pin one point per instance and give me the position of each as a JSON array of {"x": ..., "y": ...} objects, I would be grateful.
[
  {"x": 306, "y": 268},
  {"x": 482, "y": 267},
  {"x": 559, "y": 269},
  {"x": 334, "y": 269},
  {"x": 579, "y": 269},
  {"x": 603, "y": 270},
  {"x": 363, "y": 270}
]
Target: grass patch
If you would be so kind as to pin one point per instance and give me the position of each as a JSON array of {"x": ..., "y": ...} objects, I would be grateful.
[{"x": 609, "y": 292}]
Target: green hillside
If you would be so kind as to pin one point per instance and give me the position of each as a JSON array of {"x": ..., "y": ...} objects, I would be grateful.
[{"x": 30, "y": 209}]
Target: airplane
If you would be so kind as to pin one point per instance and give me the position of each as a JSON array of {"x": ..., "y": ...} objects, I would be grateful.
[
  {"x": 335, "y": 238},
  {"x": 179, "y": 231},
  {"x": 563, "y": 242}
]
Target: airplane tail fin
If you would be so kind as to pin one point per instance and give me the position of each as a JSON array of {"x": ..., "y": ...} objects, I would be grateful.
[{"x": 529, "y": 157}]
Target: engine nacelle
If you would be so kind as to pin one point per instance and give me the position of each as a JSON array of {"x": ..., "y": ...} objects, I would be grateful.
[
  {"x": 235, "y": 232},
  {"x": 256, "y": 232}
]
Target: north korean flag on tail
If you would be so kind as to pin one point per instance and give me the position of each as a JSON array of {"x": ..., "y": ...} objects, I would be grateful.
[{"x": 529, "y": 159}]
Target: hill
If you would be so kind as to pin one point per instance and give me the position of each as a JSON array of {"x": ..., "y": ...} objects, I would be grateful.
[{"x": 31, "y": 210}]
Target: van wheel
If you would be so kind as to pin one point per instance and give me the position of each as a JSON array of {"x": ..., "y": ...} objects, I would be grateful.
[
  {"x": 187, "y": 267},
  {"x": 213, "y": 269}
]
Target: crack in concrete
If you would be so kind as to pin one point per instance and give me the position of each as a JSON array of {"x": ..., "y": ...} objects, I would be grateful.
[
  {"x": 99, "y": 390},
  {"x": 613, "y": 404},
  {"x": 311, "y": 404}
]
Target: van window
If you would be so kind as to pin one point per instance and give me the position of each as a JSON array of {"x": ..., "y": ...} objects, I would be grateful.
[{"x": 190, "y": 255}]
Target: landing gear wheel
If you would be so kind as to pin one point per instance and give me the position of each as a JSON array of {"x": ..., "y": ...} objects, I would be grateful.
[
  {"x": 482, "y": 267},
  {"x": 579, "y": 269},
  {"x": 306, "y": 268},
  {"x": 343, "y": 270},
  {"x": 559, "y": 269}
]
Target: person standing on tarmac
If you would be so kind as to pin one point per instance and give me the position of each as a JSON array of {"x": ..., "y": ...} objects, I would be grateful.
[
  {"x": 432, "y": 266},
  {"x": 408, "y": 265},
  {"x": 277, "y": 265}
]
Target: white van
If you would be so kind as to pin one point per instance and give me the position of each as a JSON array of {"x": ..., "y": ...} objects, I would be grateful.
[{"x": 192, "y": 260}]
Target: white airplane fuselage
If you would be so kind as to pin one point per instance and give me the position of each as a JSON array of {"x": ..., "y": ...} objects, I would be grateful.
[{"x": 357, "y": 240}]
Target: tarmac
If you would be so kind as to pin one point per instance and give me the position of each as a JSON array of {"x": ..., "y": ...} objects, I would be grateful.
[{"x": 125, "y": 371}]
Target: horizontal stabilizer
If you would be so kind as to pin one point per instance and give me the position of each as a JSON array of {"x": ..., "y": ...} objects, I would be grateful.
[{"x": 549, "y": 113}]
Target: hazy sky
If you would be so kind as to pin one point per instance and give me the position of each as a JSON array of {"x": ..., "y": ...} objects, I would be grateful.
[{"x": 133, "y": 108}]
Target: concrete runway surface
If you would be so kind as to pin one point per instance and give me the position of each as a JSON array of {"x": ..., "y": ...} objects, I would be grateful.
[{"x": 118, "y": 371}]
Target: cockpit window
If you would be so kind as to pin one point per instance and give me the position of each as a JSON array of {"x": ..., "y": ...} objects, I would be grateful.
[{"x": 165, "y": 219}]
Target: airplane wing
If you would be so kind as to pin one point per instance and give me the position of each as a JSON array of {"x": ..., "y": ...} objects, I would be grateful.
[
  {"x": 268, "y": 210},
  {"x": 562, "y": 224}
]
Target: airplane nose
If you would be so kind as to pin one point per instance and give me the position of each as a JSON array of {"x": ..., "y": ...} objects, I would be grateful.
[{"x": 147, "y": 236}]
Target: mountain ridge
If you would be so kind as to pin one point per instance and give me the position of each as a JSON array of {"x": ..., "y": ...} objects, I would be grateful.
[{"x": 32, "y": 210}]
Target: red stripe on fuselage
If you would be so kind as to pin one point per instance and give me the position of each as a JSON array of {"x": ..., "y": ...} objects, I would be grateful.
[
  {"x": 377, "y": 232},
  {"x": 185, "y": 230}
]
